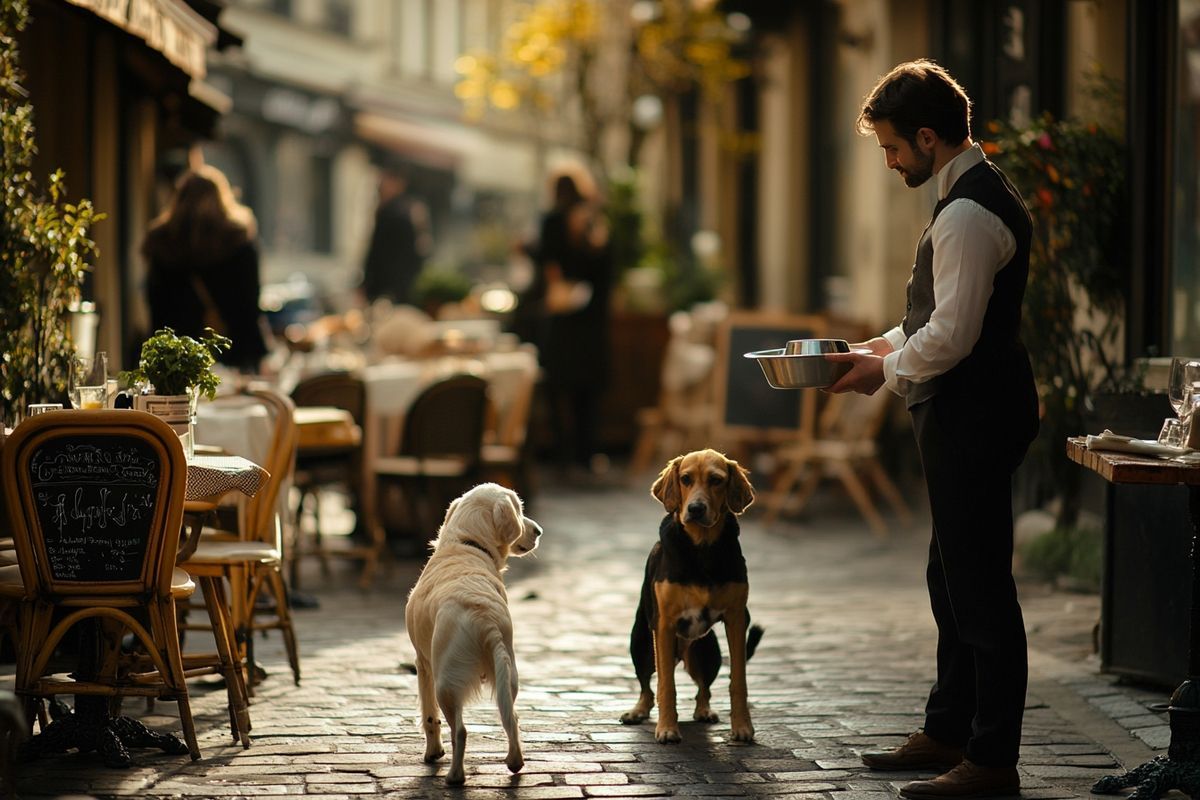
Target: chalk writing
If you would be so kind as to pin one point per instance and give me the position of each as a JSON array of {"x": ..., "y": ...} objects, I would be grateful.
[{"x": 95, "y": 500}]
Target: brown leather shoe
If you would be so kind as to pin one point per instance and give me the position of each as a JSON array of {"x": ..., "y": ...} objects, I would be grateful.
[
  {"x": 919, "y": 752},
  {"x": 967, "y": 780}
]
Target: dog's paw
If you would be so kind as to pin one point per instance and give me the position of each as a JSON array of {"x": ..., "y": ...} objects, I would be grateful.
[
  {"x": 664, "y": 735},
  {"x": 514, "y": 763},
  {"x": 742, "y": 733},
  {"x": 433, "y": 755},
  {"x": 634, "y": 717},
  {"x": 706, "y": 715},
  {"x": 456, "y": 777}
]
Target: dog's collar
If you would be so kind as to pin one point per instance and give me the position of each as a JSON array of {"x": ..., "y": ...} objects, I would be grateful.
[{"x": 477, "y": 546}]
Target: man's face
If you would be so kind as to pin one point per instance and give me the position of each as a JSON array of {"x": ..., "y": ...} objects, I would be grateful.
[{"x": 915, "y": 165}]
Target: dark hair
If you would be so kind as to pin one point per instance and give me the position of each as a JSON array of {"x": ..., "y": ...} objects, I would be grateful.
[
  {"x": 918, "y": 94},
  {"x": 204, "y": 222}
]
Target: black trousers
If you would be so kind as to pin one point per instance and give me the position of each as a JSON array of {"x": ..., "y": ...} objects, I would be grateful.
[{"x": 969, "y": 456}]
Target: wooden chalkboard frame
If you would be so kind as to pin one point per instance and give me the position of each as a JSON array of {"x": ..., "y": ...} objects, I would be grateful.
[
  {"x": 157, "y": 444},
  {"x": 738, "y": 377}
]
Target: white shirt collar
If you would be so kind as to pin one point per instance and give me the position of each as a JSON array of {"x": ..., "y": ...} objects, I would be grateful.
[{"x": 955, "y": 167}]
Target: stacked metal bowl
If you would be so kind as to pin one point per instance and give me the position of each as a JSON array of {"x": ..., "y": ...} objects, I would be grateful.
[{"x": 802, "y": 364}]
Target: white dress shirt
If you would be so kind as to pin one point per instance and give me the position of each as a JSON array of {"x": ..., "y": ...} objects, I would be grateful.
[{"x": 970, "y": 245}]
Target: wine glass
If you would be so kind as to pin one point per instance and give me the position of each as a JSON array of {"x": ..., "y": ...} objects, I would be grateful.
[
  {"x": 1184, "y": 372},
  {"x": 88, "y": 381}
]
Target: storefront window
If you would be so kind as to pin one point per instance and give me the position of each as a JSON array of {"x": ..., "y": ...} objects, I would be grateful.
[{"x": 1185, "y": 201}]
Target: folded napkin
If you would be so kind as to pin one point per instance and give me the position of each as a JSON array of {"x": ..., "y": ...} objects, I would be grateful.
[{"x": 1142, "y": 447}]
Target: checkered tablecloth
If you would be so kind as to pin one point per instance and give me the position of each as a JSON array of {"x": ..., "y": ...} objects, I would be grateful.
[{"x": 213, "y": 476}]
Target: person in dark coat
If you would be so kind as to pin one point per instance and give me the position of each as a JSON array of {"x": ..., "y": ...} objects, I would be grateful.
[
  {"x": 203, "y": 267},
  {"x": 958, "y": 361},
  {"x": 572, "y": 286},
  {"x": 399, "y": 242}
]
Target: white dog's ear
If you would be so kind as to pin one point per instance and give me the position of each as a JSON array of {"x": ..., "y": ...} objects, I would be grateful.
[
  {"x": 450, "y": 510},
  {"x": 507, "y": 518}
]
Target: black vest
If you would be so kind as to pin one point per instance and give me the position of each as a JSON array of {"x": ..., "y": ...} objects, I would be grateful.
[{"x": 998, "y": 359}]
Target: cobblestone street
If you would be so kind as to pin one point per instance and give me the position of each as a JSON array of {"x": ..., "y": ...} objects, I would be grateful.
[{"x": 844, "y": 666}]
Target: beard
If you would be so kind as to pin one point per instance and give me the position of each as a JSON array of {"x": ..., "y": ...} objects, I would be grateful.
[{"x": 921, "y": 172}]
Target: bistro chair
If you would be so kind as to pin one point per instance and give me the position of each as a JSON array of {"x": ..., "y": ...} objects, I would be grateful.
[
  {"x": 439, "y": 453},
  {"x": 507, "y": 453},
  {"x": 250, "y": 559},
  {"x": 323, "y": 463},
  {"x": 844, "y": 447},
  {"x": 95, "y": 503}
]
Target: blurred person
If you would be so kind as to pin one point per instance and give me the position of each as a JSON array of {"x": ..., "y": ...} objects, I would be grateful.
[
  {"x": 958, "y": 360},
  {"x": 571, "y": 287},
  {"x": 400, "y": 241},
  {"x": 203, "y": 267}
]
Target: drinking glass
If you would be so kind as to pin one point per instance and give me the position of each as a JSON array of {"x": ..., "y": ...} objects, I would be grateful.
[
  {"x": 1171, "y": 433},
  {"x": 88, "y": 382},
  {"x": 1184, "y": 372}
]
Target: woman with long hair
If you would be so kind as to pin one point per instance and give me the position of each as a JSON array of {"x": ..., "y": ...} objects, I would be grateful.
[
  {"x": 203, "y": 259},
  {"x": 572, "y": 285}
]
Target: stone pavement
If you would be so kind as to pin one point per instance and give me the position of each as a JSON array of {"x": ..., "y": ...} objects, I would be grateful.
[{"x": 844, "y": 666}]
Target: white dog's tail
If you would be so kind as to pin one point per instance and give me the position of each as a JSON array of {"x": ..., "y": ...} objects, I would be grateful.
[{"x": 505, "y": 681}]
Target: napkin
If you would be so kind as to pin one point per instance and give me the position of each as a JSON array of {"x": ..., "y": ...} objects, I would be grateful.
[{"x": 1142, "y": 447}]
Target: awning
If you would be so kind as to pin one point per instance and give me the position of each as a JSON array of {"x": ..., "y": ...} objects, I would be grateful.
[
  {"x": 425, "y": 145},
  {"x": 169, "y": 26}
]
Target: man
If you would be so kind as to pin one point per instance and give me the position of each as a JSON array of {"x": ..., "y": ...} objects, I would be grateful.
[
  {"x": 958, "y": 361},
  {"x": 399, "y": 242}
]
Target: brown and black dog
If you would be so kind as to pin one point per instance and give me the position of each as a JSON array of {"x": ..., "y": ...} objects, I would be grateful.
[{"x": 695, "y": 577}]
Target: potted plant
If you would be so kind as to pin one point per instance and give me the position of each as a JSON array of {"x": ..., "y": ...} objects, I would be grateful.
[
  {"x": 179, "y": 370},
  {"x": 45, "y": 248},
  {"x": 1072, "y": 176}
]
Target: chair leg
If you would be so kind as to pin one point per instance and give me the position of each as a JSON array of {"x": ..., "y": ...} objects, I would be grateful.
[
  {"x": 376, "y": 551},
  {"x": 860, "y": 496},
  {"x": 889, "y": 491},
  {"x": 163, "y": 618},
  {"x": 783, "y": 484},
  {"x": 235, "y": 683},
  {"x": 284, "y": 614}
]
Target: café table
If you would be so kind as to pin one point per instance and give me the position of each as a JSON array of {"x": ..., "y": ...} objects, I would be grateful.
[
  {"x": 209, "y": 478},
  {"x": 1180, "y": 767}
]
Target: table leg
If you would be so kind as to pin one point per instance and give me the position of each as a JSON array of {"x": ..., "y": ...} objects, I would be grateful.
[
  {"x": 91, "y": 726},
  {"x": 1180, "y": 767}
]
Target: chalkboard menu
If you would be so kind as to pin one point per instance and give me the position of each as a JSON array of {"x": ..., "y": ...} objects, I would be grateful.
[
  {"x": 95, "y": 498},
  {"x": 747, "y": 406}
]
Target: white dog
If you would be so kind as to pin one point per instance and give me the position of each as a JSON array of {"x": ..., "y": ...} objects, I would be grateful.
[{"x": 457, "y": 617}]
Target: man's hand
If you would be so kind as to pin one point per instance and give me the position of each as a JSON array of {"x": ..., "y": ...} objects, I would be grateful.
[
  {"x": 866, "y": 376},
  {"x": 878, "y": 346}
]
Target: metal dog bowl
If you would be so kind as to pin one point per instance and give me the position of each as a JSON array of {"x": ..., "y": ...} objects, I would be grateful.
[
  {"x": 802, "y": 364},
  {"x": 816, "y": 347}
]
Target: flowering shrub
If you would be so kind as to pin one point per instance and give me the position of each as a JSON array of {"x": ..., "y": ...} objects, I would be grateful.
[{"x": 1072, "y": 176}]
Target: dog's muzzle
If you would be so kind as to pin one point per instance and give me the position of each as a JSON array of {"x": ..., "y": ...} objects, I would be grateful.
[{"x": 697, "y": 512}]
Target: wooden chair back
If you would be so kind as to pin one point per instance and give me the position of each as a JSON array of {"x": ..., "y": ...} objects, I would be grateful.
[
  {"x": 261, "y": 509},
  {"x": 447, "y": 420},
  {"x": 337, "y": 389},
  {"x": 852, "y": 417},
  {"x": 95, "y": 502}
]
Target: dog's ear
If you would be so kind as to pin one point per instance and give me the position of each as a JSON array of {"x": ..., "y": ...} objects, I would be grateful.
[
  {"x": 741, "y": 493},
  {"x": 666, "y": 488},
  {"x": 507, "y": 518},
  {"x": 450, "y": 510}
]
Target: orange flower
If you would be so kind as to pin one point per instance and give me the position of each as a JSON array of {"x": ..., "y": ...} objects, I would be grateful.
[
  {"x": 993, "y": 126},
  {"x": 1052, "y": 172},
  {"x": 1045, "y": 197},
  {"x": 991, "y": 148}
]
